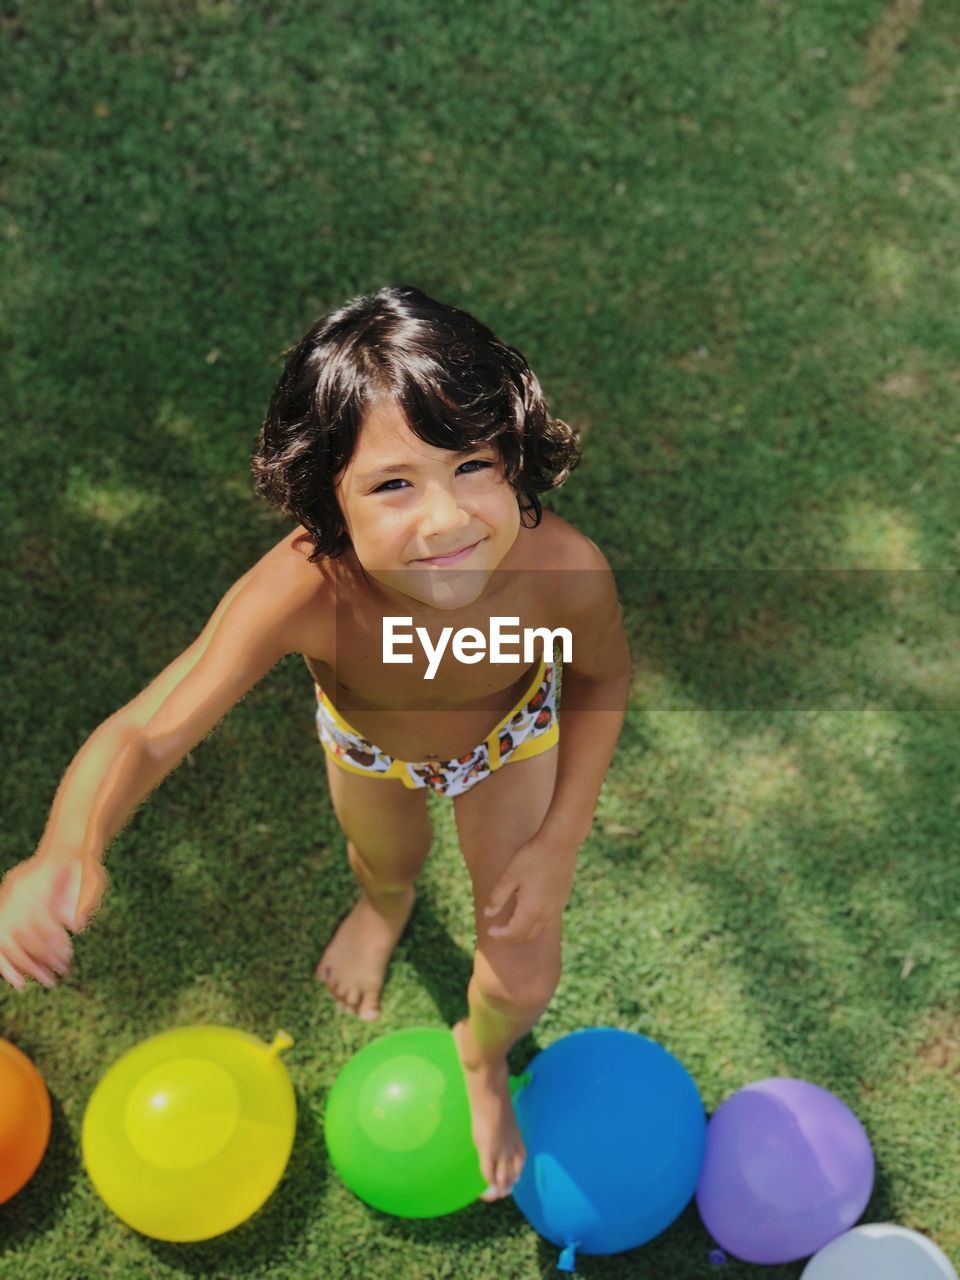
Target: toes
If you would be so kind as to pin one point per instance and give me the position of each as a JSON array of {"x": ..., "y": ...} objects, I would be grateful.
[
  {"x": 352, "y": 999},
  {"x": 504, "y": 1180},
  {"x": 489, "y": 1173},
  {"x": 369, "y": 1009},
  {"x": 498, "y": 1182},
  {"x": 335, "y": 992},
  {"x": 501, "y": 1176}
]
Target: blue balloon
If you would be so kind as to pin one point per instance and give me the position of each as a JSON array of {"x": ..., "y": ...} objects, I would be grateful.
[{"x": 615, "y": 1133}]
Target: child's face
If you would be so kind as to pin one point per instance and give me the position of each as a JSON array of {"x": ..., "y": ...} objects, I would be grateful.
[{"x": 436, "y": 502}]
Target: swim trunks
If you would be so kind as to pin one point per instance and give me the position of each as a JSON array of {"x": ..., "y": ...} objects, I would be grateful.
[{"x": 531, "y": 727}]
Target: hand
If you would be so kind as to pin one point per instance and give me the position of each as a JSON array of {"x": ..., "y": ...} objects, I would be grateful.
[
  {"x": 40, "y": 899},
  {"x": 541, "y": 875}
]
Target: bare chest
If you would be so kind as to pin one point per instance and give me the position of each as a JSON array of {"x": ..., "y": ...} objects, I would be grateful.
[{"x": 436, "y": 704}]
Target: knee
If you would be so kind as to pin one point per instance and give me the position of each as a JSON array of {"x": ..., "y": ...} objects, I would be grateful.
[
  {"x": 521, "y": 986},
  {"x": 389, "y": 874}
]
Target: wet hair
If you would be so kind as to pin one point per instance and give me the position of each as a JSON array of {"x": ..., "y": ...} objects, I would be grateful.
[{"x": 457, "y": 385}]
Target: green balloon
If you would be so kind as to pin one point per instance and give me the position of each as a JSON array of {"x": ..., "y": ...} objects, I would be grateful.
[{"x": 397, "y": 1126}]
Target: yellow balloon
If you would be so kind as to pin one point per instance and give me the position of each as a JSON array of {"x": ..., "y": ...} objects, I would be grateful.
[{"x": 189, "y": 1133}]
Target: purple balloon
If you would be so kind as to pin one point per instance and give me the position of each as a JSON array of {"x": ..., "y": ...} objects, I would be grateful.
[{"x": 788, "y": 1168}]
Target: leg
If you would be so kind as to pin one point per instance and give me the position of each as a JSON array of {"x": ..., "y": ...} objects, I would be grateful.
[
  {"x": 512, "y": 982},
  {"x": 388, "y": 838}
]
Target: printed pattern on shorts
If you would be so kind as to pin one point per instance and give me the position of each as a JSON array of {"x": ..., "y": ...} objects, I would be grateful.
[
  {"x": 350, "y": 746},
  {"x": 447, "y": 777}
]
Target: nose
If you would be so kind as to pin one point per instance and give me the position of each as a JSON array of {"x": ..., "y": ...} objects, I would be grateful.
[{"x": 441, "y": 513}]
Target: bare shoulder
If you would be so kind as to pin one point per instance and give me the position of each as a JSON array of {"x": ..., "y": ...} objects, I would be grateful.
[
  {"x": 581, "y": 578},
  {"x": 585, "y": 600},
  {"x": 567, "y": 548},
  {"x": 294, "y": 593},
  {"x": 578, "y": 591}
]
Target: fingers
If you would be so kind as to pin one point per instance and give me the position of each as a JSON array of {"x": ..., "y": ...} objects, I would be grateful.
[
  {"x": 523, "y": 927},
  {"x": 39, "y": 953},
  {"x": 9, "y": 974},
  {"x": 24, "y": 964},
  {"x": 517, "y": 912},
  {"x": 58, "y": 946},
  {"x": 508, "y": 932},
  {"x": 501, "y": 895},
  {"x": 48, "y": 943}
]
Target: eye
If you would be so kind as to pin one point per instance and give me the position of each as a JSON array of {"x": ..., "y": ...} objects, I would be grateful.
[{"x": 471, "y": 462}]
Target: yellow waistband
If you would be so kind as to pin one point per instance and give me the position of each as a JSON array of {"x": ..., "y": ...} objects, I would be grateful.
[{"x": 493, "y": 738}]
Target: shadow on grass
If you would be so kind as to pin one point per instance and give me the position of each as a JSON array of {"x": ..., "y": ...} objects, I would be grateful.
[
  {"x": 445, "y": 968},
  {"x": 253, "y": 1247},
  {"x": 38, "y": 1208}
]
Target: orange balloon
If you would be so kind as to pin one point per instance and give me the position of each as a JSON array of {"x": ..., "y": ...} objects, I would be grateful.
[{"x": 24, "y": 1119}]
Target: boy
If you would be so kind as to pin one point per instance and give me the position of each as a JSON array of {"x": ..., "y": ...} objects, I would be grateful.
[{"x": 409, "y": 442}]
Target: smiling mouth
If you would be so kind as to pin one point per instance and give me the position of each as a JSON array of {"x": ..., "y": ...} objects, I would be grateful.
[{"x": 451, "y": 557}]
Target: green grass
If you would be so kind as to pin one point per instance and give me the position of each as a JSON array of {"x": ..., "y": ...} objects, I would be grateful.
[{"x": 724, "y": 236}]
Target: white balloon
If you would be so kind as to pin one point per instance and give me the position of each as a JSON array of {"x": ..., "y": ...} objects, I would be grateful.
[{"x": 880, "y": 1252}]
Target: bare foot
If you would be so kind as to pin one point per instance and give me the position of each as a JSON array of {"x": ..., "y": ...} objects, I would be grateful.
[
  {"x": 495, "y": 1133},
  {"x": 355, "y": 962}
]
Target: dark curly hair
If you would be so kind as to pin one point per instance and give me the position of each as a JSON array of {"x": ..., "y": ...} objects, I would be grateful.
[{"x": 457, "y": 385}]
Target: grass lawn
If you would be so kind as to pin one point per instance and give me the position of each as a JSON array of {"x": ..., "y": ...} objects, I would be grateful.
[{"x": 725, "y": 237}]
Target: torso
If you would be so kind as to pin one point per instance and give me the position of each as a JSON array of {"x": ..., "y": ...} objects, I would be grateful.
[{"x": 393, "y": 705}]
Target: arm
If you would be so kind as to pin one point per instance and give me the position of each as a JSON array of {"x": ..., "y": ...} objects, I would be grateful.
[
  {"x": 86, "y": 778},
  {"x": 261, "y": 618},
  {"x": 593, "y": 702},
  {"x": 131, "y": 753}
]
